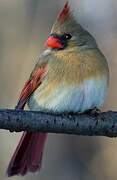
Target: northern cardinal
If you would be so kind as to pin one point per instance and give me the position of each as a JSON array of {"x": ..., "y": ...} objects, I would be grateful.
[{"x": 71, "y": 76}]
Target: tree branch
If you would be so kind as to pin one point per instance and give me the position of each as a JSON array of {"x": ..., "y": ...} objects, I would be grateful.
[{"x": 102, "y": 124}]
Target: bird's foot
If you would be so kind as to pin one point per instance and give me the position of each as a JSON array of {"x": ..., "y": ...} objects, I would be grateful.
[{"x": 93, "y": 112}]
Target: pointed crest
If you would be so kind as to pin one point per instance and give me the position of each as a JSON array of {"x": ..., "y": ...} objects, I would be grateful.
[
  {"x": 64, "y": 13},
  {"x": 66, "y": 22}
]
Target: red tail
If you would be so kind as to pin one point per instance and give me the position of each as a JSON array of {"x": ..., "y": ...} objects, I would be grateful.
[{"x": 28, "y": 154}]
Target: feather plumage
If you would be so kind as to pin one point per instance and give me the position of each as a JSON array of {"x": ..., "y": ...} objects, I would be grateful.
[{"x": 28, "y": 154}]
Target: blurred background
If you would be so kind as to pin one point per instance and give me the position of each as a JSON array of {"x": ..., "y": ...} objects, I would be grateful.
[{"x": 24, "y": 28}]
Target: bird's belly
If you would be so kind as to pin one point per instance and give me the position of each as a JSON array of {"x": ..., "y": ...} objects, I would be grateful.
[{"x": 71, "y": 99}]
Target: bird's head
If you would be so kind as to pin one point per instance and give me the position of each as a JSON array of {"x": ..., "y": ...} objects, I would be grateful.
[{"x": 67, "y": 33}]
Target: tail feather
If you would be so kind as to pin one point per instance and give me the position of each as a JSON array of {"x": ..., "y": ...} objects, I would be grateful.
[{"x": 28, "y": 154}]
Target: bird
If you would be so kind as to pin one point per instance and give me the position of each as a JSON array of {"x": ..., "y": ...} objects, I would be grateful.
[{"x": 71, "y": 75}]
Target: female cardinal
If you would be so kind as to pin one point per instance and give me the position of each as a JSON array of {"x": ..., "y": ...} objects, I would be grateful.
[{"x": 71, "y": 76}]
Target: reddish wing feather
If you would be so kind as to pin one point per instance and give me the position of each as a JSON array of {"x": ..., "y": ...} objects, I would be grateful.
[
  {"x": 31, "y": 85},
  {"x": 28, "y": 154},
  {"x": 65, "y": 12}
]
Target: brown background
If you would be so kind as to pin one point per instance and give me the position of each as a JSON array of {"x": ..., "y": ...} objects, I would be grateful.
[{"x": 24, "y": 27}]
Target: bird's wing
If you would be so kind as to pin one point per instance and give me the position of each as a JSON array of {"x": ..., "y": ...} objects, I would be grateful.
[{"x": 32, "y": 84}]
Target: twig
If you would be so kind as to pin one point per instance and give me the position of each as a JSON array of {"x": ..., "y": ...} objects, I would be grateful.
[{"x": 102, "y": 124}]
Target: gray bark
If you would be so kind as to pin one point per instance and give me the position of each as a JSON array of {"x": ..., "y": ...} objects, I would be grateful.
[{"x": 101, "y": 124}]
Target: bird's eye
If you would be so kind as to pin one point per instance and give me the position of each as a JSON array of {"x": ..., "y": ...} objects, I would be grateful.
[{"x": 66, "y": 37}]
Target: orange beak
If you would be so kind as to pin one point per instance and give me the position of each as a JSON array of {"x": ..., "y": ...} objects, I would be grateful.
[{"x": 54, "y": 42}]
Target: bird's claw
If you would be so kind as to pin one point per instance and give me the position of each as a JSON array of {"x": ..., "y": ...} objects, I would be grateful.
[{"x": 93, "y": 112}]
